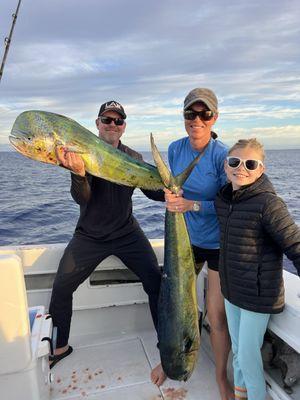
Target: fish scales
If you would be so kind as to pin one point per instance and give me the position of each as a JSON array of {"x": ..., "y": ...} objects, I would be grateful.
[
  {"x": 178, "y": 321},
  {"x": 178, "y": 332},
  {"x": 36, "y": 134}
]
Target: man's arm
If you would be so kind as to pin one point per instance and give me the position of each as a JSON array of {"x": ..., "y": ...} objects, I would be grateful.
[
  {"x": 157, "y": 195},
  {"x": 80, "y": 188}
]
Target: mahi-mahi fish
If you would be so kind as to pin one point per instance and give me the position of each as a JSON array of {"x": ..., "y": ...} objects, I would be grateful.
[
  {"x": 178, "y": 321},
  {"x": 37, "y": 134}
]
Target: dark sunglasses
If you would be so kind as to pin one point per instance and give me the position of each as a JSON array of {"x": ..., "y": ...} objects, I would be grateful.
[
  {"x": 250, "y": 165},
  {"x": 108, "y": 120},
  {"x": 205, "y": 115}
]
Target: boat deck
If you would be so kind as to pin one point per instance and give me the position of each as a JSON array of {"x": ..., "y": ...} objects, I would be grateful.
[
  {"x": 112, "y": 335},
  {"x": 119, "y": 367}
]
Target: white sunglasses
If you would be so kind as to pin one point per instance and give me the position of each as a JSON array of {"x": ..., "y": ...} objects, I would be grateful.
[{"x": 250, "y": 165}]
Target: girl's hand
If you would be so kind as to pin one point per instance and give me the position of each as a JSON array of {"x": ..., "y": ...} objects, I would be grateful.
[{"x": 177, "y": 203}]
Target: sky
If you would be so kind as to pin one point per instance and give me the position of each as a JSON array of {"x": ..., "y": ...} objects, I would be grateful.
[{"x": 70, "y": 56}]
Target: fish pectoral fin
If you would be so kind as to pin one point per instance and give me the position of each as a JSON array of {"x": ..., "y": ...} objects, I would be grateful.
[
  {"x": 73, "y": 149},
  {"x": 189, "y": 342},
  {"x": 65, "y": 148}
]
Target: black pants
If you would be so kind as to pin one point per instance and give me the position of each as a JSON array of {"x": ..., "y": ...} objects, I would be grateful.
[{"x": 81, "y": 257}]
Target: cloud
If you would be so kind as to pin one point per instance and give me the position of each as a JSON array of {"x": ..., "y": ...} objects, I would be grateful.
[
  {"x": 69, "y": 57},
  {"x": 274, "y": 132}
]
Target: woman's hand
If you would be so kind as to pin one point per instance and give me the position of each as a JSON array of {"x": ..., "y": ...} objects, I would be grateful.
[
  {"x": 177, "y": 203},
  {"x": 71, "y": 161}
]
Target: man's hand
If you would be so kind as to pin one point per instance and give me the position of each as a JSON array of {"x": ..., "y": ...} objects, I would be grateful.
[
  {"x": 71, "y": 161},
  {"x": 177, "y": 203}
]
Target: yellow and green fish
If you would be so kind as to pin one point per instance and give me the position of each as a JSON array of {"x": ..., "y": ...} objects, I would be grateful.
[
  {"x": 178, "y": 321},
  {"x": 37, "y": 134}
]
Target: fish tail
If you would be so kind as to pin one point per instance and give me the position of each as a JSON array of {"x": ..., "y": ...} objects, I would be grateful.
[
  {"x": 168, "y": 180},
  {"x": 182, "y": 177},
  {"x": 165, "y": 174}
]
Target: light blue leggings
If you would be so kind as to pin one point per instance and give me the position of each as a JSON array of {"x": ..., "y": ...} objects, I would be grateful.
[{"x": 247, "y": 331}]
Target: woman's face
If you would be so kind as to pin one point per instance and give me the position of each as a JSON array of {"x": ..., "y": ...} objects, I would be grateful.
[
  {"x": 242, "y": 176},
  {"x": 199, "y": 131}
]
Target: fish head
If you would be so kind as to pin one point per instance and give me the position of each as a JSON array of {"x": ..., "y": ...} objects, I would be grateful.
[
  {"x": 32, "y": 140},
  {"x": 179, "y": 362}
]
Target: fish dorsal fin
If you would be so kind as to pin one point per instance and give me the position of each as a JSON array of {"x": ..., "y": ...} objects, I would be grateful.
[{"x": 163, "y": 170}]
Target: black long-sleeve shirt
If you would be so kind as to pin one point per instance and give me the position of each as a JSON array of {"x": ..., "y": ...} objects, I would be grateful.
[{"x": 106, "y": 207}]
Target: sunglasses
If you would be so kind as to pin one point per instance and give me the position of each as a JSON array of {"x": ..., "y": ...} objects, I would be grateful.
[
  {"x": 108, "y": 120},
  {"x": 205, "y": 115},
  {"x": 250, "y": 165}
]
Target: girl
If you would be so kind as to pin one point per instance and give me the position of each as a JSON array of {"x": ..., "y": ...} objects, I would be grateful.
[{"x": 256, "y": 229}]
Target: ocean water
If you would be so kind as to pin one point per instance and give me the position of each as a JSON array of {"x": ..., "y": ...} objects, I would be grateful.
[{"x": 36, "y": 206}]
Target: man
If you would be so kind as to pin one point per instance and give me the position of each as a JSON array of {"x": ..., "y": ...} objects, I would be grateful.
[{"x": 105, "y": 227}]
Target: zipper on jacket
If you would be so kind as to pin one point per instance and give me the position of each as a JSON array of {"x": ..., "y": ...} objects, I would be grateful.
[{"x": 225, "y": 242}]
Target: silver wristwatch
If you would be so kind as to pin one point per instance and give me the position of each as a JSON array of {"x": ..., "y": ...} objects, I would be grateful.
[{"x": 196, "y": 206}]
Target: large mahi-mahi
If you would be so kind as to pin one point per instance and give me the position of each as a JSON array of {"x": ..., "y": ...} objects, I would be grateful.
[
  {"x": 36, "y": 134},
  {"x": 178, "y": 321}
]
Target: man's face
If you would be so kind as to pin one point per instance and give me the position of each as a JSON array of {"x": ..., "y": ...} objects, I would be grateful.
[{"x": 110, "y": 133}]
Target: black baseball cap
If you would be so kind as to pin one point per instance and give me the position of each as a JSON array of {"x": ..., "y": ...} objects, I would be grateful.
[{"x": 112, "y": 105}]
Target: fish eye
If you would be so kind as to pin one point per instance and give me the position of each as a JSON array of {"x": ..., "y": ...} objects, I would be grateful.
[
  {"x": 187, "y": 344},
  {"x": 186, "y": 375}
]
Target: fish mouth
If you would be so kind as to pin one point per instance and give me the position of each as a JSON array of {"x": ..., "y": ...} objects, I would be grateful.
[
  {"x": 181, "y": 370},
  {"x": 15, "y": 141},
  {"x": 179, "y": 376},
  {"x": 19, "y": 144}
]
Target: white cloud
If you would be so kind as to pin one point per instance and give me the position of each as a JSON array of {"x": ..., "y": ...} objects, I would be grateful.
[
  {"x": 272, "y": 137},
  {"x": 69, "y": 57}
]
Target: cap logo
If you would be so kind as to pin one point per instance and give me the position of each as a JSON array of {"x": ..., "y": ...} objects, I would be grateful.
[{"x": 113, "y": 104}]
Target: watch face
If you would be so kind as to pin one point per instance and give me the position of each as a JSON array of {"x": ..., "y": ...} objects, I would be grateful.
[{"x": 196, "y": 207}]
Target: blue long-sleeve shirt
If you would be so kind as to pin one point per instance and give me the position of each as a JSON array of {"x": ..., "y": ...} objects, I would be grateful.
[{"x": 202, "y": 185}]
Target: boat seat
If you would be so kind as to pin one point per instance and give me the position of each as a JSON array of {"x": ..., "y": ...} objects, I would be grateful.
[
  {"x": 15, "y": 343},
  {"x": 24, "y": 337},
  {"x": 286, "y": 325}
]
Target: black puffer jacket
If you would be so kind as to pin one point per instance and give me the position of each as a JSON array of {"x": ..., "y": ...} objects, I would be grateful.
[{"x": 256, "y": 229}]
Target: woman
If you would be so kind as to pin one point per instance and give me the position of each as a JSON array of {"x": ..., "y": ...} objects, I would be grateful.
[{"x": 197, "y": 202}]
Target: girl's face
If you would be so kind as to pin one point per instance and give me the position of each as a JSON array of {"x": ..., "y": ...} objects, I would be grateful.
[{"x": 244, "y": 174}]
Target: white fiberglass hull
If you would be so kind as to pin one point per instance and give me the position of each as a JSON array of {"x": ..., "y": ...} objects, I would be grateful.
[{"x": 112, "y": 335}]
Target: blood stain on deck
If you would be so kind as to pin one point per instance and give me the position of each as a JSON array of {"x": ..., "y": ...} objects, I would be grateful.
[{"x": 175, "y": 394}]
